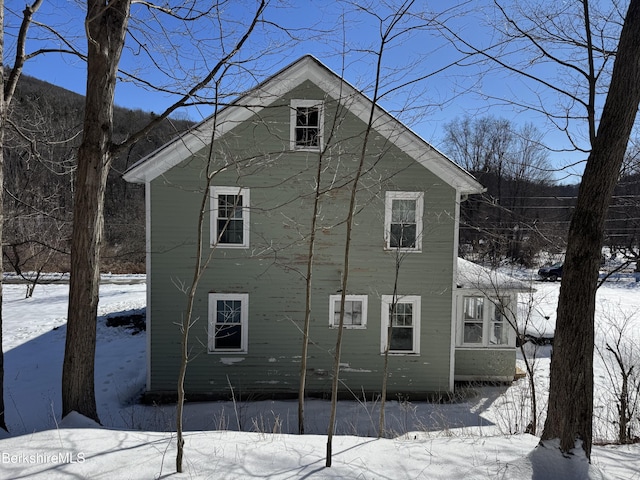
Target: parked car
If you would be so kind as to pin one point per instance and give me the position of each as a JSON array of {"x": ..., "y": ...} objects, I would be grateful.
[{"x": 551, "y": 272}]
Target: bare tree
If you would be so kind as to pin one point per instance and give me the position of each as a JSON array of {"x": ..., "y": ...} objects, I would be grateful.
[
  {"x": 578, "y": 41},
  {"x": 319, "y": 191},
  {"x": 389, "y": 33},
  {"x": 7, "y": 88},
  {"x": 512, "y": 164},
  {"x": 619, "y": 350},
  {"x": 569, "y": 417},
  {"x": 106, "y": 27}
]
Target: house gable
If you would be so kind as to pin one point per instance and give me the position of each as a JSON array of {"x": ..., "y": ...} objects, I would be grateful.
[{"x": 264, "y": 95}]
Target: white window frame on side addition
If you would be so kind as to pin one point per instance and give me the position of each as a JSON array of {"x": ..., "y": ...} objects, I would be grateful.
[
  {"x": 228, "y": 311},
  {"x": 240, "y": 214},
  {"x": 301, "y": 131},
  {"x": 483, "y": 322},
  {"x": 387, "y": 302},
  {"x": 351, "y": 311},
  {"x": 395, "y": 219}
]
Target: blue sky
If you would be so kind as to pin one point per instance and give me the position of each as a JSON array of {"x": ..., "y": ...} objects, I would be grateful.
[{"x": 338, "y": 34}]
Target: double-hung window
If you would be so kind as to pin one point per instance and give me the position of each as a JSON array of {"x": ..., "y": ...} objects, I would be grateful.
[
  {"x": 403, "y": 221},
  {"x": 228, "y": 322},
  {"x": 355, "y": 311},
  {"x": 400, "y": 324},
  {"x": 306, "y": 124},
  {"x": 484, "y": 322},
  {"x": 230, "y": 217}
]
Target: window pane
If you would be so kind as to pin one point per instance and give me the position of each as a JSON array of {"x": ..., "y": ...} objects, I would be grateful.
[
  {"x": 352, "y": 312},
  {"x": 231, "y": 231},
  {"x": 401, "y": 338},
  {"x": 473, "y": 307},
  {"x": 473, "y": 332},
  {"x": 230, "y": 206},
  {"x": 499, "y": 334},
  {"x": 401, "y": 315},
  {"x": 403, "y": 211},
  {"x": 402, "y": 236},
  {"x": 228, "y": 336},
  {"x": 228, "y": 311},
  {"x": 307, "y": 136}
]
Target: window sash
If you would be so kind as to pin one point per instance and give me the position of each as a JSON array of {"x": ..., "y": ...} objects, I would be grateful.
[
  {"x": 403, "y": 221},
  {"x": 499, "y": 326},
  {"x": 355, "y": 311},
  {"x": 306, "y": 124},
  {"x": 307, "y": 129},
  {"x": 230, "y": 221},
  {"x": 228, "y": 323},
  {"x": 484, "y": 322},
  {"x": 473, "y": 314},
  {"x": 229, "y": 217},
  {"x": 401, "y": 324}
]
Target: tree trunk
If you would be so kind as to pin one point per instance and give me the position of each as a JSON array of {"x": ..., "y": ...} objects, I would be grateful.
[
  {"x": 307, "y": 297},
  {"x": 3, "y": 117},
  {"x": 569, "y": 416},
  {"x": 106, "y": 26}
]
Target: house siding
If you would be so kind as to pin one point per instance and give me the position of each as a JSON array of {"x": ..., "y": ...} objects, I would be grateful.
[
  {"x": 485, "y": 364},
  {"x": 271, "y": 271}
]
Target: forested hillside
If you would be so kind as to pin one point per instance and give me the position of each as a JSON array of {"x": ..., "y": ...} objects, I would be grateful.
[{"x": 45, "y": 124}]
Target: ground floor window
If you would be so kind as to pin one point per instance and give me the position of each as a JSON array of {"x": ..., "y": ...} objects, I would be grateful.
[
  {"x": 400, "y": 324},
  {"x": 355, "y": 311},
  {"x": 228, "y": 322},
  {"x": 484, "y": 321}
]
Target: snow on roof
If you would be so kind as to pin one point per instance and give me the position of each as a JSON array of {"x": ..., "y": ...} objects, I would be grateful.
[{"x": 474, "y": 276}]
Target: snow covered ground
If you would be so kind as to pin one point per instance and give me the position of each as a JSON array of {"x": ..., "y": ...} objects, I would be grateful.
[{"x": 478, "y": 436}]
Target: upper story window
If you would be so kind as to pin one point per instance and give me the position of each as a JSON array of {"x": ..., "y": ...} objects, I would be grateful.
[
  {"x": 400, "y": 324},
  {"x": 403, "y": 221},
  {"x": 484, "y": 322},
  {"x": 230, "y": 217},
  {"x": 355, "y": 311},
  {"x": 306, "y": 124}
]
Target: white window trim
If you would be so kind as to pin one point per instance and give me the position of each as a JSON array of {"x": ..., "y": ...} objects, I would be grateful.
[
  {"x": 333, "y": 322},
  {"x": 244, "y": 321},
  {"x": 388, "y": 205},
  {"x": 490, "y": 304},
  {"x": 295, "y": 104},
  {"x": 215, "y": 192},
  {"x": 387, "y": 301}
]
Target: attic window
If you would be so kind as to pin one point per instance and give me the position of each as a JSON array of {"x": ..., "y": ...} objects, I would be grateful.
[{"x": 306, "y": 124}]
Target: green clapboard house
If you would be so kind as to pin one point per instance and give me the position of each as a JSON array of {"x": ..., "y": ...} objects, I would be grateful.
[{"x": 255, "y": 166}]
